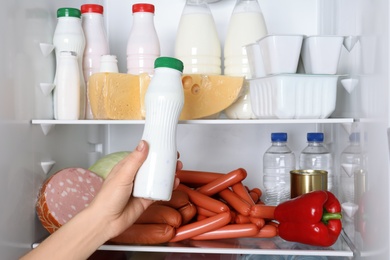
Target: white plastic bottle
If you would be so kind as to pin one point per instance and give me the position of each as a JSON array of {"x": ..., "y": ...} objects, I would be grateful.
[
  {"x": 108, "y": 63},
  {"x": 197, "y": 43},
  {"x": 316, "y": 156},
  {"x": 246, "y": 25},
  {"x": 96, "y": 43},
  {"x": 67, "y": 90},
  {"x": 143, "y": 45},
  {"x": 278, "y": 161},
  {"x": 164, "y": 101},
  {"x": 69, "y": 36},
  {"x": 352, "y": 160}
]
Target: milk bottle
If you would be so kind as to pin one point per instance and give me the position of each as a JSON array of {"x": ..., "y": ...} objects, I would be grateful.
[
  {"x": 197, "y": 43},
  {"x": 246, "y": 26}
]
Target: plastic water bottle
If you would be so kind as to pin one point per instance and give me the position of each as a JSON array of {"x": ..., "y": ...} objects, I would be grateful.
[
  {"x": 164, "y": 101},
  {"x": 278, "y": 161},
  {"x": 352, "y": 160},
  {"x": 96, "y": 43},
  {"x": 69, "y": 36},
  {"x": 315, "y": 156},
  {"x": 67, "y": 91},
  {"x": 197, "y": 43},
  {"x": 143, "y": 45},
  {"x": 246, "y": 26}
]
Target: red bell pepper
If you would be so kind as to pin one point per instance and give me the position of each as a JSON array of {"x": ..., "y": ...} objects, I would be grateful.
[{"x": 313, "y": 218}]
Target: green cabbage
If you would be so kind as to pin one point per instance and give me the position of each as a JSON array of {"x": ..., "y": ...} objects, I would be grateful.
[{"x": 104, "y": 165}]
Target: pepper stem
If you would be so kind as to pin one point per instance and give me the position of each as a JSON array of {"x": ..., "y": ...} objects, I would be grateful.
[{"x": 328, "y": 216}]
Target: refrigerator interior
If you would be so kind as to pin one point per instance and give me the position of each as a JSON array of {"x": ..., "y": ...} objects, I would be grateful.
[{"x": 33, "y": 147}]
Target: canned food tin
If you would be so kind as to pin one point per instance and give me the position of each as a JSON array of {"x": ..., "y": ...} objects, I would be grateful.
[{"x": 304, "y": 181}]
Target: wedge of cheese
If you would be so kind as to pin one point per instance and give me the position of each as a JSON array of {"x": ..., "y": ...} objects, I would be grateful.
[{"x": 121, "y": 96}]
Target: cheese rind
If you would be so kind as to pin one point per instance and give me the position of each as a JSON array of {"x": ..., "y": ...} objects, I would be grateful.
[{"x": 121, "y": 96}]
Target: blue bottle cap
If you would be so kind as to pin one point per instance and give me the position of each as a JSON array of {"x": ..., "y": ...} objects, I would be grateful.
[
  {"x": 315, "y": 137},
  {"x": 279, "y": 137}
]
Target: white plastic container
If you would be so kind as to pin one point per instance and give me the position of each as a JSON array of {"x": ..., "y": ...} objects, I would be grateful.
[
  {"x": 109, "y": 63},
  {"x": 164, "y": 101},
  {"x": 246, "y": 25},
  {"x": 69, "y": 36},
  {"x": 67, "y": 91},
  {"x": 197, "y": 43},
  {"x": 294, "y": 96},
  {"x": 255, "y": 60},
  {"x": 96, "y": 43},
  {"x": 280, "y": 53},
  {"x": 321, "y": 53},
  {"x": 143, "y": 45}
]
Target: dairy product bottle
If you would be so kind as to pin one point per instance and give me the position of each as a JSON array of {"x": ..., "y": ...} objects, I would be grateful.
[
  {"x": 69, "y": 36},
  {"x": 143, "y": 45},
  {"x": 108, "y": 63},
  {"x": 278, "y": 161},
  {"x": 67, "y": 90},
  {"x": 246, "y": 25},
  {"x": 164, "y": 101},
  {"x": 96, "y": 43},
  {"x": 197, "y": 43}
]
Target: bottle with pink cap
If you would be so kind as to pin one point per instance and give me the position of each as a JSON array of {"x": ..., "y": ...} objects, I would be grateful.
[{"x": 143, "y": 45}]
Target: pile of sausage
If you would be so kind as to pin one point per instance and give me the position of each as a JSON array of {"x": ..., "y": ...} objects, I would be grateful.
[{"x": 205, "y": 206}]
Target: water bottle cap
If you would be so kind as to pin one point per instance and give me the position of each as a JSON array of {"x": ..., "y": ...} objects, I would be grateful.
[
  {"x": 92, "y": 8},
  {"x": 68, "y": 12},
  {"x": 149, "y": 8},
  {"x": 354, "y": 137},
  {"x": 315, "y": 137},
  {"x": 169, "y": 62},
  {"x": 279, "y": 137}
]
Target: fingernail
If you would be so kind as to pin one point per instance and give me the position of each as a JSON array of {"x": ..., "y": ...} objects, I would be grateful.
[{"x": 140, "y": 146}]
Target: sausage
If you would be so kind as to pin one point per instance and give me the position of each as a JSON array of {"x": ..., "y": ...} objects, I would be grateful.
[
  {"x": 65, "y": 194},
  {"x": 235, "y": 202},
  {"x": 145, "y": 234},
  {"x": 241, "y": 191},
  {"x": 267, "y": 231},
  {"x": 255, "y": 197},
  {"x": 241, "y": 219},
  {"x": 204, "y": 201},
  {"x": 201, "y": 226},
  {"x": 160, "y": 214},
  {"x": 178, "y": 199},
  {"x": 196, "y": 178},
  {"x": 259, "y": 222},
  {"x": 262, "y": 211},
  {"x": 187, "y": 212},
  {"x": 205, "y": 212},
  {"x": 229, "y": 231},
  {"x": 223, "y": 182}
]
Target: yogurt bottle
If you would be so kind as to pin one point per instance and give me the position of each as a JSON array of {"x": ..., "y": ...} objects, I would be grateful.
[
  {"x": 69, "y": 36},
  {"x": 246, "y": 26},
  {"x": 164, "y": 101},
  {"x": 197, "y": 43}
]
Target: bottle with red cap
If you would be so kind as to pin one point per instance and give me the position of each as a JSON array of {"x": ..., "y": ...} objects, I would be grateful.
[
  {"x": 96, "y": 43},
  {"x": 143, "y": 46}
]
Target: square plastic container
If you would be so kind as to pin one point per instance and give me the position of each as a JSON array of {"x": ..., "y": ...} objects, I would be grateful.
[
  {"x": 321, "y": 53},
  {"x": 288, "y": 96},
  {"x": 280, "y": 53},
  {"x": 255, "y": 60}
]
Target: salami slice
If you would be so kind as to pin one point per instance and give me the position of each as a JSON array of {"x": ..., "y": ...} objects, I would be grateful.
[{"x": 65, "y": 194}]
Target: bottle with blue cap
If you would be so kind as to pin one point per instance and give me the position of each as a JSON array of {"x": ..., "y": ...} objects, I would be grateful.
[
  {"x": 164, "y": 101},
  {"x": 316, "y": 156},
  {"x": 278, "y": 161}
]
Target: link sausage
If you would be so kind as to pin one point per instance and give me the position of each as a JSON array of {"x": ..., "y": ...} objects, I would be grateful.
[
  {"x": 160, "y": 214},
  {"x": 196, "y": 178},
  {"x": 262, "y": 211},
  {"x": 241, "y": 191},
  {"x": 229, "y": 231},
  {"x": 235, "y": 202},
  {"x": 187, "y": 212},
  {"x": 145, "y": 234},
  {"x": 267, "y": 231}
]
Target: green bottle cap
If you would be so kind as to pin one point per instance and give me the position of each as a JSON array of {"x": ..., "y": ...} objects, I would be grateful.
[
  {"x": 169, "y": 62},
  {"x": 68, "y": 12}
]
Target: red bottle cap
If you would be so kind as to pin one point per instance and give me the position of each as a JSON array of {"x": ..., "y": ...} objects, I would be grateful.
[
  {"x": 91, "y": 8},
  {"x": 149, "y": 8}
]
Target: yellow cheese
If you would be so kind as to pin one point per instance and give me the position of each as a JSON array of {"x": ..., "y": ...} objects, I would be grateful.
[{"x": 121, "y": 96}]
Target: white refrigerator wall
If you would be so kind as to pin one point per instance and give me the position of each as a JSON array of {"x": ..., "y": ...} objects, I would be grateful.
[{"x": 24, "y": 148}]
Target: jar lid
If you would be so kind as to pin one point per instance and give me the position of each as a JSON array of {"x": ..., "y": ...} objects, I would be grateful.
[
  {"x": 279, "y": 137},
  {"x": 68, "y": 12},
  {"x": 169, "y": 62},
  {"x": 92, "y": 8},
  {"x": 315, "y": 137},
  {"x": 149, "y": 8}
]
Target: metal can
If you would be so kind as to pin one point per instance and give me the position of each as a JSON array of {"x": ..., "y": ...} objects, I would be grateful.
[{"x": 304, "y": 181}]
